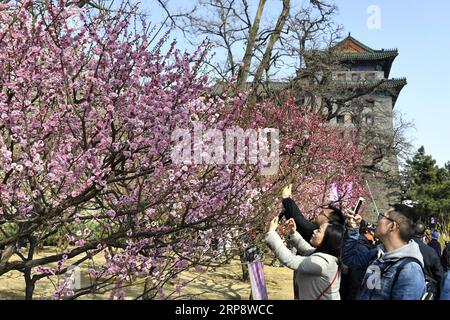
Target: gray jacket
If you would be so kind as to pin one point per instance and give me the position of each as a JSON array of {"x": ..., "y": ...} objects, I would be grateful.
[{"x": 315, "y": 271}]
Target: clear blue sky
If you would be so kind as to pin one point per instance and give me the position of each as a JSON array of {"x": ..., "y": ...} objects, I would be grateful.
[{"x": 420, "y": 30}]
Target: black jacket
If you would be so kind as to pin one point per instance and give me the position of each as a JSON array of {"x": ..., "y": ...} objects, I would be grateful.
[
  {"x": 445, "y": 258},
  {"x": 436, "y": 246},
  {"x": 433, "y": 267},
  {"x": 352, "y": 279},
  {"x": 304, "y": 226}
]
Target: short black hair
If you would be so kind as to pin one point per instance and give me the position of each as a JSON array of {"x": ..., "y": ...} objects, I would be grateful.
[
  {"x": 363, "y": 226},
  {"x": 407, "y": 211},
  {"x": 406, "y": 217},
  {"x": 336, "y": 215},
  {"x": 419, "y": 230},
  {"x": 366, "y": 227}
]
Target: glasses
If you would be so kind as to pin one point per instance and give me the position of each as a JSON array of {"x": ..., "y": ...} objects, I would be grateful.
[{"x": 381, "y": 215}]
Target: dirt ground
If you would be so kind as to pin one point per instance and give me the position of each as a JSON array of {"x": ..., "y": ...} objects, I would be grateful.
[{"x": 220, "y": 283}]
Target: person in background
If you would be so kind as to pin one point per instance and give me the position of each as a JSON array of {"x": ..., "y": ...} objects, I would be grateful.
[
  {"x": 318, "y": 265},
  {"x": 394, "y": 269},
  {"x": 432, "y": 265},
  {"x": 445, "y": 258},
  {"x": 352, "y": 279},
  {"x": 434, "y": 243}
]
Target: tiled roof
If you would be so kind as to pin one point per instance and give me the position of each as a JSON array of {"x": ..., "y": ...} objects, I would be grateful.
[
  {"x": 376, "y": 55},
  {"x": 362, "y": 52},
  {"x": 350, "y": 38},
  {"x": 394, "y": 83}
]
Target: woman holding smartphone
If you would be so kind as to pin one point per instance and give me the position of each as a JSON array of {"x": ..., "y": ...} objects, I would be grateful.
[{"x": 318, "y": 265}]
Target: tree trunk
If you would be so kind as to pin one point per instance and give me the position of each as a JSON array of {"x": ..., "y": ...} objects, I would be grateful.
[
  {"x": 247, "y": 59},
  {"x": 245, "y": 274},
  {"x": 29, "y": 284},
  {"x": 149, "y": 292},
  {"x": 5, "y": 255},
  {"x": 149, "y": 289},
  {"x": 264, "y": 65}
]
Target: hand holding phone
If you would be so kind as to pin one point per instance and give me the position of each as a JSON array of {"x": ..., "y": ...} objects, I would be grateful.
[
  {"x": 291, "y": 226},
  {"x": 353, "y": 221}
]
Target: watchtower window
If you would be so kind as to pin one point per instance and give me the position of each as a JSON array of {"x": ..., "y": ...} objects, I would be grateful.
[
  {"x": 370, "y": 76},
  {"x": 370, "y": 104}
]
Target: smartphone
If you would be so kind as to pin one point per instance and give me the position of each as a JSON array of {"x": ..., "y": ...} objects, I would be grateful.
[
  {"x": 358, "y": 205},
  {"x": 281, "y": 218}
]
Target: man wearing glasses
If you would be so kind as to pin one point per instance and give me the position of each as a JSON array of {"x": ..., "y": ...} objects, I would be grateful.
[{"x": 394, "y": 269}]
